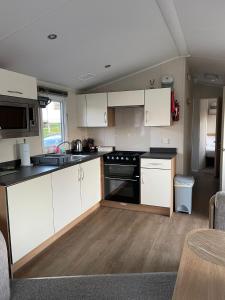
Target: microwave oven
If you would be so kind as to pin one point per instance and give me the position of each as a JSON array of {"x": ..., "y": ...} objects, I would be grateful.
[{"x": 18, "y": 117}]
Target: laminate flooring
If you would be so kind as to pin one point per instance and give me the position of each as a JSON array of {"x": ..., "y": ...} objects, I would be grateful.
[{"x": 120, "y": 241}]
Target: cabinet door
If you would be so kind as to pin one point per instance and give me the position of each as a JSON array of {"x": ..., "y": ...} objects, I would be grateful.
[
  {"x": 97, "y": 110},
  {"x": 90, "y": 183},
  {"x": 66, "y": 196},
  {"x": 17, "y": 85},
  {"x": 157, "y": 107},
  {"x": 126, "y": 98},
  {"x": 30, "y": 214},
  {"x": 81, "y": 110},
  {"x": 156, "y": 187}
]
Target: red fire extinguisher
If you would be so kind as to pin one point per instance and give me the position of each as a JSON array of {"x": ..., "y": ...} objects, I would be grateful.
[
  {"x": 176, "y": 115},
  {"x": 175, "y": 108}
]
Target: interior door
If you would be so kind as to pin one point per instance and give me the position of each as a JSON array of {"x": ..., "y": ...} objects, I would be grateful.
[{"x": 222, "y": 157}]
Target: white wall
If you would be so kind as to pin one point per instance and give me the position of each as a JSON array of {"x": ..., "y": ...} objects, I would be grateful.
[
  {"x": 8, "y": 148},
  {"x": 211, "y": 124},
  {"x": 129, "y": 132}
]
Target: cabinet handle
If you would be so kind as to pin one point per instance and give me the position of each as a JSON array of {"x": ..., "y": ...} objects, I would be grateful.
[
  {"x": 79, "y": 174},
  {"x": 82, "y": 174},
  {"x": 15, "y": 92},
  {"x": 105, "y": 119},
  {"x": 142, "y": 179},
  {"x": 146, "y": 117}
]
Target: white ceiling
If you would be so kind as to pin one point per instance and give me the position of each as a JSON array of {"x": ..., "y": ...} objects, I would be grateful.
[{"x": 129, "y": 35}]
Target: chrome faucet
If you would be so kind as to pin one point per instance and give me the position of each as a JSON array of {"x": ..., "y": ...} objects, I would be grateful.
[{"x": 64, "y": 142}]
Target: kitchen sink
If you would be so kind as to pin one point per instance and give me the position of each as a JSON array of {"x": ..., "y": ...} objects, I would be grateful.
[
  {"x": 80, "y": 155},
  {"x": 56, "y": 159}
]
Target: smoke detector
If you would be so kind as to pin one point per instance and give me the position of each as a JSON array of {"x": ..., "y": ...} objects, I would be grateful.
[{"x": 86, "y": 77}]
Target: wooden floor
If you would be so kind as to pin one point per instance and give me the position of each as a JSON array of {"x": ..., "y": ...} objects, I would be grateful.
[{"x": 120, "y": 241}]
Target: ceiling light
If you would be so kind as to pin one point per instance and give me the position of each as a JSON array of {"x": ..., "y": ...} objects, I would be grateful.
[
  {"x": 52, "y": 36},
  {"x": 107, "y": 66}
]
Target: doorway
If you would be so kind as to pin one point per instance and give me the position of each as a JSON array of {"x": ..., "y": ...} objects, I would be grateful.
[
  {"x": 207, "y": 136},
  {"x": 206, "y": 146}
]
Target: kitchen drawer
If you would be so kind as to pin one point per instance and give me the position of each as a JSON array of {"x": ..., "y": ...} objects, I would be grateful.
[{"x": 150, "y": 163}]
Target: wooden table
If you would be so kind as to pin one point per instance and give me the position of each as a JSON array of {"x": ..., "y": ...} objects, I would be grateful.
[{"x": 201, "y": 273}]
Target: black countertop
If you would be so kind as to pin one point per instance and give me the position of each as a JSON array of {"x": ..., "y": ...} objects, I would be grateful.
[
  {"x": 158, "y": 155},
  {"x": 26, "y": 173}
]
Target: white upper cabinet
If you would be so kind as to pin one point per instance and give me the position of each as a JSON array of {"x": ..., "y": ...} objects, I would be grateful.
[
  {"x": 66, "y": 196},
  {"x": 81, "y": 111},
  {"x": 157, "y": 107},
  {"x": 17, "y": 85},
  {"x": 126, "y": 98},
  {"x": 97, "y": 112}
]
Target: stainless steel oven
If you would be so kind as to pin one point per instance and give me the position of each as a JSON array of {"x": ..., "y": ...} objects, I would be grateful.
[
  {"x": 122, "y": 177},
  {"x": 18, "y": 117}
]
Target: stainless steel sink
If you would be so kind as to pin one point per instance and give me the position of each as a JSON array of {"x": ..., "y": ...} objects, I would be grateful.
[
  {"x": 77, "y": 157},
  {"x": 80, "y": 155}
]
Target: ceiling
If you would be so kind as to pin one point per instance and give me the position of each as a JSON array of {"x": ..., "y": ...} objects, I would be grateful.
[{"x": 129, "y": 35}]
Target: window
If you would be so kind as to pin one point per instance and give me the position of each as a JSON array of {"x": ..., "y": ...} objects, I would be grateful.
[{"x": 53, "y": 126}]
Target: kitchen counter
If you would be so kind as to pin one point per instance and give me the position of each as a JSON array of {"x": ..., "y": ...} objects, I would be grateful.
[
  {"x": 26, "y": 173},
  {"x": 158, "y": 155}
]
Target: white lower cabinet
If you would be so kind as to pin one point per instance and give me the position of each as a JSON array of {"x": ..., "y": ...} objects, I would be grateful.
[
  {"x": 39, "y": 207},
  {"x": 90, "y": 183},
  {"x": 30, "y": 215},
  {"x": 75, "y": 190},
  {"x": 156, "y": 182},
  {"x": 66, "y": 196}
]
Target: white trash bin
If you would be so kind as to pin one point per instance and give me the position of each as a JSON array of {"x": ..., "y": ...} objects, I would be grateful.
[{"x": 183, "y": 193}]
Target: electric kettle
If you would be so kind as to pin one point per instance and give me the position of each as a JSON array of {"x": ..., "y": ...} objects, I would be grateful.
[{"x": 76, "y": 146}]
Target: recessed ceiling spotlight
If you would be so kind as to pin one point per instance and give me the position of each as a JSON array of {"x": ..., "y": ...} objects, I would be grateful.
[
  {"x": 52, "y": 36},
  {"x": 107, "y": 66}
]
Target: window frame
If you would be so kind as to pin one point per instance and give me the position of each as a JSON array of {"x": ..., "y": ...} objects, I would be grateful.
[{"x": 62, "y": 101}]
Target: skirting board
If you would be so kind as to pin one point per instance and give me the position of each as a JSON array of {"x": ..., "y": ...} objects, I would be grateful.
[
  {"x": 32, "y": 254},
  {"x": 137, "y": 207}
]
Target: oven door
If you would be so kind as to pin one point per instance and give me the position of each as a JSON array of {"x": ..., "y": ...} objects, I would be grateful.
[
  {"x": 122, "y": 183},
  {"x": 122, "y": 190}
]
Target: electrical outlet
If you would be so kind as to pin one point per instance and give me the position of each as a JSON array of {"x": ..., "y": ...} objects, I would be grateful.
[{"x": 165, "y": 140}]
